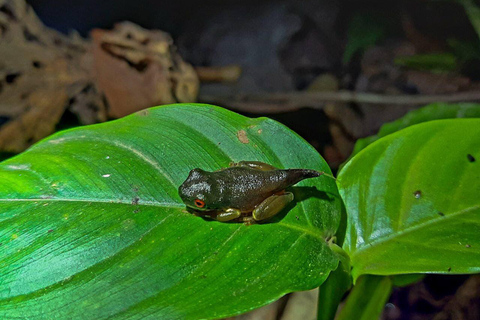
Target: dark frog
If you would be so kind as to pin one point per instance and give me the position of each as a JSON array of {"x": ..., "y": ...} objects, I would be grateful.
[{"x": 246, "y": 191}]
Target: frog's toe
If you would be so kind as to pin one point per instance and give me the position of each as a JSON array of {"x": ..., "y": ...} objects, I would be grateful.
[{"x": 271, "y": 206}]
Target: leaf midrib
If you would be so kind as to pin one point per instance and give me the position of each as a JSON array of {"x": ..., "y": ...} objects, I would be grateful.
[
  {"x": 369, "y": 245},
  {"x": 89, "y": 200},
  {"x": 317, "y": 235}
]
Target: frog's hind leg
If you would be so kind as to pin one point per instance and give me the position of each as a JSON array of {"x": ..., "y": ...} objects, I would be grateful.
[
  {"x": 254, "y": 165},
  {"x": 271, "y": 206},
  {"x": 228, "y": 215}
]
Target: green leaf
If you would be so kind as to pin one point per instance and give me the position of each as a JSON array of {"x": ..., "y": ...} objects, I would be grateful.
[
  {"x": 435, "y": 62},
  {"x": 367, "y": 299},
  {"x": 412, "y": 201},
  {"x": 334, "y": 288},
  {"x": 465, "y": 50},
  {"x": 364, "y": 31},
  {"x": 92, "y": 226},
  {"x": 403, "y": 280},
  {"x": 434, "y": 111},
  {"x": 473, "y": 13}
]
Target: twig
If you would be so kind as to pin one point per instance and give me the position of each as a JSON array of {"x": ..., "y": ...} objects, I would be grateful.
[
  {"x": 219, "y": 74},
  {"x": 290, "y": 101}
]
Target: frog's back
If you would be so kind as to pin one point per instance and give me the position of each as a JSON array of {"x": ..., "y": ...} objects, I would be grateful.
[{"x": 244, "y": 188}]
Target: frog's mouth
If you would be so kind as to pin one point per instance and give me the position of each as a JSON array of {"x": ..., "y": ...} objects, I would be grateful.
[{"x": 195, "y": 208}]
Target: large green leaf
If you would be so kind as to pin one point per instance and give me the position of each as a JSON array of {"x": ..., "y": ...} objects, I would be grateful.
[
  {"x": 412, "y": 200},
  {"x": 92, "y": 227}
]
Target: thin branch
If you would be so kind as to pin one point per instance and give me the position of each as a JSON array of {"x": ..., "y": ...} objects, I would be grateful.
[{"x": 290, "y": 101}]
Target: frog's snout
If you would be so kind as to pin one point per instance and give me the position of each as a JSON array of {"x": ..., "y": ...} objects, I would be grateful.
[{"x": 193, "y": 191}]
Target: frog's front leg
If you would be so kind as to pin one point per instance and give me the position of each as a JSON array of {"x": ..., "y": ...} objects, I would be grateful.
[
  {"x": 228, "y": 214},
  {"x": 271, "y": 206},
  {"x": 254, "y": 165}
]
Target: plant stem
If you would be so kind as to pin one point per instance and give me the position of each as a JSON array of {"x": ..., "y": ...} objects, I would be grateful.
[{"x": 367, "y": 298}]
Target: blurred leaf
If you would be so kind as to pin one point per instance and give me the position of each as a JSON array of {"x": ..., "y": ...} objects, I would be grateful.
[
  {"x": 412, "y": 201},
  {"x": 364, "y": 31},
  {"x": 434, "y": 111},
  {"x": 473, "y": 13},
  {"x": 435, "y": 62},
  {"x": 367, "y": 298},
  {"x": 92, "y": 227},
  {"x": 465, "y": 50}
]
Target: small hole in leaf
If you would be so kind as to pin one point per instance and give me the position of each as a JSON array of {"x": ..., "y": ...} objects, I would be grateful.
[
  {"x": 470, "y": 158},
  {"x": 417, "y": 194}
]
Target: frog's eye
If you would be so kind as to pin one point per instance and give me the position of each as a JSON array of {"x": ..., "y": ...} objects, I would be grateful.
[{"x": 199, "y": 203}]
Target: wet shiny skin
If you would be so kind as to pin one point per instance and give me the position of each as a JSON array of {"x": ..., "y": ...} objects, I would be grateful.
[{"x": 246, "y": 191}]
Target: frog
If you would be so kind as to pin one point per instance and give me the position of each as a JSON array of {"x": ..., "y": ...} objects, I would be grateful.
[{"x": 248, "y": 191}]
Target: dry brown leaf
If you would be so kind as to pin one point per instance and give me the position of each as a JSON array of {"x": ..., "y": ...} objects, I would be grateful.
[
  {"x": 41, "y": 70},
  {"x": 437, "y": 83},
  {"x": 138, "y": 68},
  {"x": 44, "y": 73}
]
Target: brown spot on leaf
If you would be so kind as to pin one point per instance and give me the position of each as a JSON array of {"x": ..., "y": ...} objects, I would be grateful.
[
  {"x": 441, "y": 214},
  {"x": 242, "y": 136},
  {"x": 259, "y": 131},
  {"x": 135, "y": 200},
  {"x": 143, "y": 113},
  {"x": 467, "y": 246}
]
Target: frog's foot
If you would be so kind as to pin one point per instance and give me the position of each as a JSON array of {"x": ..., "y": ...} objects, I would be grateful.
[
  {"x": 248, "y": 221},
  {"x": 254, "y": 165},
  {"x": 271, "y": 206},
  {"x": 228, "y": 215}
]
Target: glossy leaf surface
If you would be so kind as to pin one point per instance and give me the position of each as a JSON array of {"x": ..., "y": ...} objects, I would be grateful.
[
  {"x": 412, "y": 200},
  {"x": 92, "y": 227}
]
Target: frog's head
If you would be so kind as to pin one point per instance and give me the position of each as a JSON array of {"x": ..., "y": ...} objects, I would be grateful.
[{"x": 196, "y": 192}]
